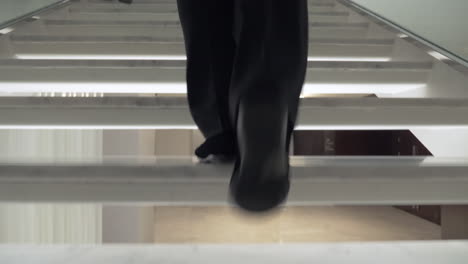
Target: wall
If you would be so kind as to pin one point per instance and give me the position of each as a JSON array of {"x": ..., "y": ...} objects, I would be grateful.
[
  {"x": 11, "y": 9},
  {"x": 441, "y": 22},
  {"x": 444, "y": 143},
  {"x": 454, "y": 222},
  {"x": 127, "y": 224},
  {"x": 50, "y": 223}
]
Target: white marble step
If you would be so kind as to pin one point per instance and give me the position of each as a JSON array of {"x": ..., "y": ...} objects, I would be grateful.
[
  {"x": 159, "y": 39},
  {"x": 160, "y": 47},
  {"x": 135, "y": 2},
  {"x": 64, "y": 28},
  {"x": 142, "y": 76},
  {"x": 103, "y": 16},
  {"x": 145, "y": 2},
  {"x": 158, "y": 8},
  {"x": 119, "y": 7},
  {"x": 171, "y": 7},
  {"x": 65, "y": 22},
  {"x": 438, "y": 252},
  {"x": 172, "y": 112},
  {"x": 184, "y": 181}
]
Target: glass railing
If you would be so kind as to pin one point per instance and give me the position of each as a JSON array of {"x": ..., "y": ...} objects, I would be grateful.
[
  {"x": 13, "y": 10},
  {"x": 441, "y": 24}
]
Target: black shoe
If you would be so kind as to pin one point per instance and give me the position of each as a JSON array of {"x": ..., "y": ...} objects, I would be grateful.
[
  {"x": 126, "y": 1},
  {"x": 222, "y": 146},
  {"x": 219, "y": 159},
  {"x": 260, "y": 180}
]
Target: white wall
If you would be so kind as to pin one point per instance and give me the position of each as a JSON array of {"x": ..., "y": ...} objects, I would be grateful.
[
  {"x": 442, "y": 22},
  {"x": 127, "y": 224},
  {"x": 444, "y": 143},
  {"x": 50, "y": 223},
  {"x": 11, "y": 9}
]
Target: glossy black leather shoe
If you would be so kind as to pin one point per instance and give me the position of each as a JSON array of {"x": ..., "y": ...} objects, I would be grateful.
[
  {"x": 260, "y": 181},
  {"x": 126, "y": 1},
  {"x": 221, "y": 146}
]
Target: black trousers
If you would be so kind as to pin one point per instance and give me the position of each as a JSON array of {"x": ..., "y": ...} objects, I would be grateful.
[{"x": 238, "y": 49}]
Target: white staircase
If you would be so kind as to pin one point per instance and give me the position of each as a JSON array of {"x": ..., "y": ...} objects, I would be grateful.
[
  {"x": 102, "y": 65},
  {"x": 362, "y": 253},
  {"x": 105, "y": 65},
  {"x": 185, "y": 181},
  {"x": 173, "y": 113}
]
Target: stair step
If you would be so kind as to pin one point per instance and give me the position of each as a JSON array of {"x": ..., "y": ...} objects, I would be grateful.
[
  {"x": 163, "y": 31},
  {"x": 172, "y": 112},
  {"x": 138, "y": 2},
  {"x": 434, "y": 252},
  {"x": 155, "y": 48},
  {"x": 349, "y": 65},
  {"x": 142, "y": 3},
  {"x": 146, "y": 2},
  {"x": 169, "y": 7},
  {"x": 145, "y": 39},
  {"x": 172, "y": 36},
  {"x": 59, "y": 22},
  {"x": 149, "y": 77},
  {"x": 184, "y": 181},
  {"x": 105, "y": 8},
  {"x": 313, "y": 16}
]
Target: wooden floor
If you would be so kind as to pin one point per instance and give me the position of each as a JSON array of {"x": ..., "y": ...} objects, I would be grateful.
[{"x": 289, "y": 225}]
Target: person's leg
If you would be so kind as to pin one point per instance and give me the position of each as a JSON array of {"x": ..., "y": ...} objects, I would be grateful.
[
  {"x": 269, "y": 71},
  {"x": 207, "y": 27}
]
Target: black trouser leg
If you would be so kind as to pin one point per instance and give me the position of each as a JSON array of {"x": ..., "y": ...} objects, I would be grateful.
[
  {"x": 269, "y": 71},
  {"x": 266, "y": 62},
  {"x": 210, "y": 47},
  {"x": 271, "y": 54}
]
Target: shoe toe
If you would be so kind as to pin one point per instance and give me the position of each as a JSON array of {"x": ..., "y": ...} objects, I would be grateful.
[{"x": 260, "y": 197}]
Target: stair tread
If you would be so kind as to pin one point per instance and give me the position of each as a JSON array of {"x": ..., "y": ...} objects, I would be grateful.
[
  {"x": 181, "y": 102},
  {"x": 171, "y": 181},
  {"x": 440, "y": 252},
  {"x": 64, "y": 38},
  {"x": 171, "y": 9},
  {"x": 64, "y": 22},
  {"x": 164, "y": 112},
  {"x": 135, "y": 16},
  {"x": 363, "y": 65},
  {"x": 173, "y": 49},
  {"x": 140, "y": 76}
]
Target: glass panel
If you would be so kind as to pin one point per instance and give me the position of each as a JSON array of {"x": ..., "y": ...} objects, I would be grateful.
[
  {"x": 12, "y": 9},
  {"x": 445, "y": 26}
]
